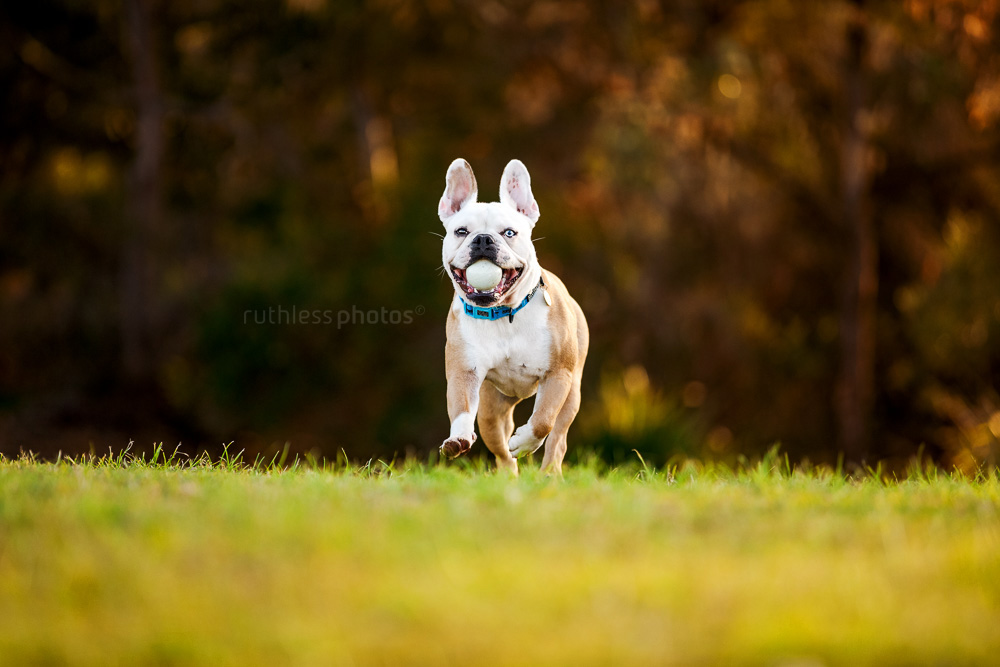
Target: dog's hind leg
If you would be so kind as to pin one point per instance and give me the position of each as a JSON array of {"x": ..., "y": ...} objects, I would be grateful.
[
  {"x": 555, "y": 445},
  {"x": 552, "y": 394},
  {"x": 496, "y": 424}
]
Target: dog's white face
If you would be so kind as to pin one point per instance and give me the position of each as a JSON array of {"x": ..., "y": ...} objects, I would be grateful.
[{"x": 499, "y": 232}]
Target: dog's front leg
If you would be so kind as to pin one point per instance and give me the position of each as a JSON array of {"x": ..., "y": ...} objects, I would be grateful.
[
  {"x": 552, "y": 393},
  {"x": 463, "y": 404}
]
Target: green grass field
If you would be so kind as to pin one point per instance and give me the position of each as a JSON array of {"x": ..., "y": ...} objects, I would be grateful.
[{"x": 120, "y": 562}]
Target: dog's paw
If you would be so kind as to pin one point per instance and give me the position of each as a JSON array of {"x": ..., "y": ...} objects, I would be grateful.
[
  {"x": 523, "y": 442},
  {"x": 455, "y": 447}
]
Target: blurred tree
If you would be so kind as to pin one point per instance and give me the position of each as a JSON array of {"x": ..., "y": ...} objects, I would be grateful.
[
  {"x": 144, "y": 215},
  {"x": 785, "y": 141},
  {"x": 779, "y": 218}
]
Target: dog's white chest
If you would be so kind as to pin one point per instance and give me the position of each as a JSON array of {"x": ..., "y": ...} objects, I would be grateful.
[{"x": 514, "y": 355}]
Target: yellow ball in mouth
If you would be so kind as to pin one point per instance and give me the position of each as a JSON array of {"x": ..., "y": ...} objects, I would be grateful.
[{"x": 484, "y": 275}]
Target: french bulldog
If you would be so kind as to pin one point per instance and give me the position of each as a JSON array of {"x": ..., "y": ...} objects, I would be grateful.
[{"x": 523, "y": 337}]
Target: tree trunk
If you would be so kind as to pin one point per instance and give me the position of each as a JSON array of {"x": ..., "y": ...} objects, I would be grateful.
[
  {"x": 144, "y": 203},
  {"x": 856, "y": 384}
]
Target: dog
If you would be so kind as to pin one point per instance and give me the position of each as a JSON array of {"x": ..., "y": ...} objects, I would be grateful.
[{"x": 523, "y": 337}]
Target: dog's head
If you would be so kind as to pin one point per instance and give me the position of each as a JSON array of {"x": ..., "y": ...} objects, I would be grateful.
[{"x": 499, "y": 232}]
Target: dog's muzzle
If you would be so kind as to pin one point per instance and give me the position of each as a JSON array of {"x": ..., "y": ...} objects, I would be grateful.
[{"x": 483, "y": 246}]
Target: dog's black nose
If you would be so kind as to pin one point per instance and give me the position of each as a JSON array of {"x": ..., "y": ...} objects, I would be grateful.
[{"x": 481, "y": 243}]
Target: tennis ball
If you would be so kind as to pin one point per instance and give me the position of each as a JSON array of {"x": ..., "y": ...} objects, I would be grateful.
[{"x": 484, "y": 275}]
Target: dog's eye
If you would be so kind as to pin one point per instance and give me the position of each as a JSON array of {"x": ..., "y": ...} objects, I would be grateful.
[
  {"x": 509, "y": 233},
  {"x": 461, "y": 231}
]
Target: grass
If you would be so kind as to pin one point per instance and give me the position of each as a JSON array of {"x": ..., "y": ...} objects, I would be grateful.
[{"x": 121, "y": 561}]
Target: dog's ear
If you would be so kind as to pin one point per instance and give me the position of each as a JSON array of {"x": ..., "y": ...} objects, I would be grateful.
[
  {"x": 460, "y": 189},
  {"x": 515, "y": 190}
]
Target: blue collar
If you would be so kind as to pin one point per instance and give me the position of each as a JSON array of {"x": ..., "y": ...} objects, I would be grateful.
[{"x": 499, "y": 312}]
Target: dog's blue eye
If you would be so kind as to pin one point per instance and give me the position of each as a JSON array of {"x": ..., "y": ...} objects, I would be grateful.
[
  {"x": 461, "y": 231},
  {"x": 509, "y": 233}
]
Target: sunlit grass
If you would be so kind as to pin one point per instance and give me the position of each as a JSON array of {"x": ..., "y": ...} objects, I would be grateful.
[{"x": 121, "y": 561}]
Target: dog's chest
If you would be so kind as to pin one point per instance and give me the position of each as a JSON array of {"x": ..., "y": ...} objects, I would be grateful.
[{"x": 515, "y": 355}]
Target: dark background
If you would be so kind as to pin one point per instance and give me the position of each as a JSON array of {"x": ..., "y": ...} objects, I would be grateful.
[{"x": 781, "y": 219}]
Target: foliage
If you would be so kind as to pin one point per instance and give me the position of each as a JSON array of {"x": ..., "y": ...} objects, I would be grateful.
[{"x": 705, "y": 171}]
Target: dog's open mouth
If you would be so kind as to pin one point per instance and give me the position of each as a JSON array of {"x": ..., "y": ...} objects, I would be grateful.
[{"x": 507, "y": 280}]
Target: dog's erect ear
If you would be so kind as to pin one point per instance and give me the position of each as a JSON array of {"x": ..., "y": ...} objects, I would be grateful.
[
  {"x": 515, "y": 190},
  {"x": 460, "y": 189}
]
